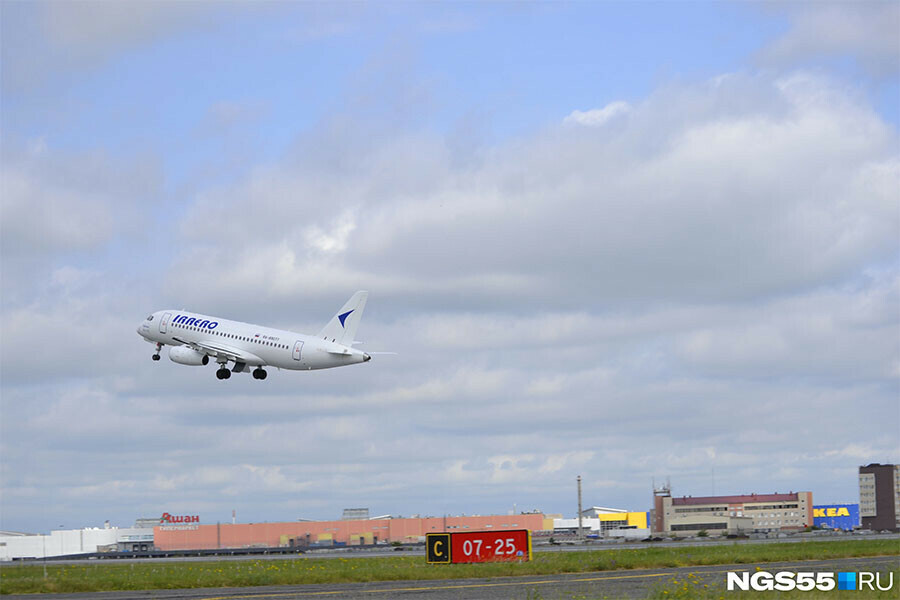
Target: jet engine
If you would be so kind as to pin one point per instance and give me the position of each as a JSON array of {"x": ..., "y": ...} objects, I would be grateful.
[{"x": 185, "y": 355}]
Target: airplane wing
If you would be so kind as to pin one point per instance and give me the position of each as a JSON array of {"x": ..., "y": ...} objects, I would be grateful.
[{"x": 229, "y": 352}]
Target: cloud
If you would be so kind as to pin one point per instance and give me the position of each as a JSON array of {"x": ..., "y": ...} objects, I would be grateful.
[
  {"x": 39, "y": 217},
  {"x": 61, "y": 209},
  {"x": 792, "y": 190},
  {"x": 598, "y": 116},
  {"x": 865, "y": 31},
  {"x": 48, "y": 42}
]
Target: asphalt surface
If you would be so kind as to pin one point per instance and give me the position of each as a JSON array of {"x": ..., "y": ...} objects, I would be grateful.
[{"x": 606, "y": 584}]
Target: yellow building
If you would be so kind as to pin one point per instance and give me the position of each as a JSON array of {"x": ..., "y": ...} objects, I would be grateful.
[{"x": 616, "y": 518}]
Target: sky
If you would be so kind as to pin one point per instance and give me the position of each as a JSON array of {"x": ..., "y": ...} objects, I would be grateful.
[{"x": 634, "y": 242}]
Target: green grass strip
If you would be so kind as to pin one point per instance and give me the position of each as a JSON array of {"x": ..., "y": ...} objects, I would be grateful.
[{"x": 99, "y": 576}]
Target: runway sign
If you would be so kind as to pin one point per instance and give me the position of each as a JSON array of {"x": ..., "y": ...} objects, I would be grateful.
[
  {"x": 479, "y": 546},
  {"x": 437, "y": 547}
]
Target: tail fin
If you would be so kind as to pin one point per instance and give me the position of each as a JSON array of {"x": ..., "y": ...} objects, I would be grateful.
[{"x": 342, "y": 326}]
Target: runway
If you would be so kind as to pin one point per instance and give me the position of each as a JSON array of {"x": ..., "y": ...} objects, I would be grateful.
[{"x": 608, "y": 584}]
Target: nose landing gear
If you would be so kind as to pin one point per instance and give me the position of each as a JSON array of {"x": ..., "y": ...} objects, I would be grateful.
[
  {"x": 158, "y": 348},
  {"x": 259, "y": 373}
]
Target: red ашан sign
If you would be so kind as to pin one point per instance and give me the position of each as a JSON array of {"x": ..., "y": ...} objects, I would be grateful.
[{"x": 167, "y": 519}]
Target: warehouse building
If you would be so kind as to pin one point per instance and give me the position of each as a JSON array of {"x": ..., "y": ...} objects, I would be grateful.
[
  {"x": 879, "y": 497},
  {"x": 836, "y": 516},
  {"x": 353, "y": 531},
  {"x": 731, "y": 515},
  {"x": 14, "y": 545},
  {"x": 598, "y": 521},
  {"x": 616, "y": 519}
]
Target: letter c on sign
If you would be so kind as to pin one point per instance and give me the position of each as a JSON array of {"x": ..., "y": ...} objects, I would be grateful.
[{"x": 436, "y": 551}]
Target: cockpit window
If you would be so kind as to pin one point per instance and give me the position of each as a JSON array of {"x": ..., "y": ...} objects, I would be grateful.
[{"x": 150, "y": 318}]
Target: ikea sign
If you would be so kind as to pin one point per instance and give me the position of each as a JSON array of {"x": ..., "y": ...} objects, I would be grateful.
[{"x": 836, "y": 516}]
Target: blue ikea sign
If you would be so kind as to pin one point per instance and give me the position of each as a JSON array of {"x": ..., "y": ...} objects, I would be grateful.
[{"x": 836, "y": 516}]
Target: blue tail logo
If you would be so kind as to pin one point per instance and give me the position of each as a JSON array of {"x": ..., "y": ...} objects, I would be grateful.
[{"x": 344, "y": 316}]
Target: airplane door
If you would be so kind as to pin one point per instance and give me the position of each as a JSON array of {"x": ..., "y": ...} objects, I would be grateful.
[
  {"x": 298, "y": 346},
  {"x": 164, "y": 322}
]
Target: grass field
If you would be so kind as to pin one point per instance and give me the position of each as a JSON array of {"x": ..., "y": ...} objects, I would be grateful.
[{"x": 108, "y": 576}]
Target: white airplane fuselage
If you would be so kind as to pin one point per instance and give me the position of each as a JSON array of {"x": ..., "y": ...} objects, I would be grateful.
[{"x": 197, "y": 339}]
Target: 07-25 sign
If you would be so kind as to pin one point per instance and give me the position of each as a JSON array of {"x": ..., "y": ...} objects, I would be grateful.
[{"x": 478, "y": 546}]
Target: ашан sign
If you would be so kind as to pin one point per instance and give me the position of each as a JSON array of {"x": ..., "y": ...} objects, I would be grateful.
[{"x": 167, "y": 519}]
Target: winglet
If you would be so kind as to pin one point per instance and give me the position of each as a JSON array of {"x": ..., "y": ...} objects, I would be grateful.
[{"x": 342, "y": 326}]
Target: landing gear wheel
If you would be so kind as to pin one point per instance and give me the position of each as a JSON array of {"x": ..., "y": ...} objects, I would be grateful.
[
  {"x": 155, "y": 357},
  {"x": 158, "y": 348},
  {"x": 223, "y": 373},
  {"x": 259, "y": 373}
]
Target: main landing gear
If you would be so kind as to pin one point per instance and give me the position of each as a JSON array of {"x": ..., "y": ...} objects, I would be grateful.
[
  {"x": 158, "y": 348},
  {"x": 224, "y": 373}
]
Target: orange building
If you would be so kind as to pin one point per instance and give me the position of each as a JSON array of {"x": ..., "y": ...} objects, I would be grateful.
[{"x": 325, "y": 533}]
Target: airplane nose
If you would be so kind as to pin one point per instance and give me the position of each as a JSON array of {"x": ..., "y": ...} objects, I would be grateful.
[{"x": 366, "y": 357}]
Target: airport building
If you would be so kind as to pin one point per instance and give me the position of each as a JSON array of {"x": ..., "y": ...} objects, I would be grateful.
[
  {"x": 731, "y": 515},
  {"x": 879, "y": 497}
]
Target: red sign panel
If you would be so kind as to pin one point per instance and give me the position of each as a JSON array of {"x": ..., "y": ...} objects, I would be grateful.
[{"x": 490, "y": 546}]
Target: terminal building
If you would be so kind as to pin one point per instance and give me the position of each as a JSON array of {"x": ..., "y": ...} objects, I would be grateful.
[
  {"x": 731, "y": 515},
  {"x": 879, "y": 497}
]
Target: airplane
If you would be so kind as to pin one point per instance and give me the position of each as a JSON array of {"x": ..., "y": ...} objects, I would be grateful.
[{"x": 194, "y": 339}]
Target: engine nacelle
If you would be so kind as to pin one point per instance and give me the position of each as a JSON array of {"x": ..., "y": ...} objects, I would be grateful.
[{"x": 185, "y": 355}]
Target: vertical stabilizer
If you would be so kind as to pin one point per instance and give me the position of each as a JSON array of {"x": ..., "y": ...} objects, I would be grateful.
[{"x": 342, "y": 326}]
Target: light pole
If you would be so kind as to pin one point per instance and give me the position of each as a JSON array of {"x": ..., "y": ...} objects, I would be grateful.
[{"x": 580, "y": 530}]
